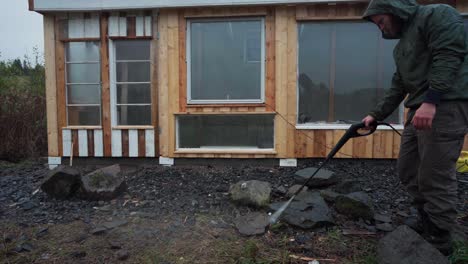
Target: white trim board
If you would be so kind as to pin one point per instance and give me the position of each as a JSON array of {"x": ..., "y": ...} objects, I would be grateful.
[{"x": 97, "y": 5}]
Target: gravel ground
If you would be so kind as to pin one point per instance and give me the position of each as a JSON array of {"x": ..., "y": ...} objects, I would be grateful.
[{"x": 155, "y": 191}]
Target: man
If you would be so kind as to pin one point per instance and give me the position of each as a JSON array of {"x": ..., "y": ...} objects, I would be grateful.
[{"x": 432, "y": 73}]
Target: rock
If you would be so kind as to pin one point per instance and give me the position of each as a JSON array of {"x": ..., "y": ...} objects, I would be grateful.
[
  {"x": 252, "y": 224},
  {"x": 114, "y": 224},
  {"x": 281, "y": 190},
  {"x": 307, "y": 210},
  {"x": 23, "y": 247},
  {"x": 255, "y": 193},
  {"x": 28, "y": 205},
  {"x": 114, "y": 245},
  {"x": 347, "y": 186},
  {"x": 103, "y": 184},
  {"x": 293, "y": 189},
  {"x": 386, "y": 227},
  {"x": 404, "y": 246},
  {"x": 122, "y": 254},
  {"x": 78, "y": 254},
  {"x": 323, "y": 178},
  {"x": 62, "y": 182},
  {"x": 98, "y": 230},
  {"x": 329, "y": 196},
  {"x": 42, "y": 232},
  {"x": 355, "y": 205},
  {"x": 382, "y": 218}
]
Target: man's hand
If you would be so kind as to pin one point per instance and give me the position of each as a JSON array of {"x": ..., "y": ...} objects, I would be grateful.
[
  {"x": 368, "y": 120},
  {"x": 423, "y": 117}
]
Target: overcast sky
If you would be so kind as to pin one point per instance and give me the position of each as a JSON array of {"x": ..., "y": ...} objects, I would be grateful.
[{"x": 21, "y": 30}]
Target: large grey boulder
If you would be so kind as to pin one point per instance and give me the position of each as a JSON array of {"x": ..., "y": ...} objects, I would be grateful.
[
  {"x": 103, "y": 184},
  {"x": 347, "y": 186},
  {"x": 323, "y": 178},
  {"x": 252, "y": 224},
  {"x": 404, "y": 246},
  {"x": 355, "y": 205},
  {"x": 254, "y": 193},
  {"x": 307, "y": 210},
  {"x": 62, "y": 182}
]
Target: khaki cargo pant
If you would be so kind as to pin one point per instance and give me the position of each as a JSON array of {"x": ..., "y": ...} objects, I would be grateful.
[{"x": 427, "y": 162}]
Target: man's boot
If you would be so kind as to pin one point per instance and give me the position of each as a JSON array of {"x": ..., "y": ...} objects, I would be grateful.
[
  {"x": 416, "y": 222},
  {"x": 439, "y": 238}
]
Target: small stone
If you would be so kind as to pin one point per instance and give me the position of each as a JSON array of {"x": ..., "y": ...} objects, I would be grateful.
[
  {"x": 252, "y": 224},
  {"x": 122, "y": 254},
  {"x": 281, "y": 190},
  {"x": 42, "y": 232},
  {"x": 329, "y": 196},
  {"x": 403, "y": 214},
  {"x": 114, "y": 224},
  {"x": 321, "y": 179},
  {"x": 114, "y": 245},
  {"x": 293, "y": 189},
  {"x": 78, "y": 254},
  {"x": 98, "y": 230},
  {"x": 382, "y": 218},
  {"x": 386, "y": 227}
]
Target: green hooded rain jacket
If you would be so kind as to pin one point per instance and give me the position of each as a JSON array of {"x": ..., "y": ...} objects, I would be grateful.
[{"x": 431, "y": 56}]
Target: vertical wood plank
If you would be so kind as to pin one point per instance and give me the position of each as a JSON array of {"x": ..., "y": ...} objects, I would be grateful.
[
  {"x": 131, "y": 27},
  {"x": 281, "y": 39},
  {"x": 329, "y": 141},
  {"x": 301, "y": 144},
  {"x": 105, "y": 89},
  {"x": 133, "y": 143},
  {"x": 125, "y": 146},
  {"x": 292, "y": 79},
  {"x": 140, "y": 26},
  {"x": 83, "y": 143},
  {"x": 141, "y": 143},
  {"x": 320, "y": 143},
  {"x": 67, "y": 139},
  {"x": 51, "y": 86},
  {"x": 396, "y": 145},
  {"x": 75, "y": 143},
  {"x": 173, "y": 54},
  {"x": 462, "y": 6},
  {"x": 154, "y": 79},
  {"x": 98, "y": 145},
  {"x": 163, "y": 88},
  {"x": 363, "y": 147},
  {"x": 310, "y": 138},
  {"x": 116, "y": 143},
  {"x": 347, "y": 150},
  {"x": 270, "y": 59},
  {"x": 182, "y": 63},
  {"x": 60, "y": 75},
  {"x": 383, "y": 144},
  {"x": 149, "y": 141},
  {"x": 90, "y": 135}
]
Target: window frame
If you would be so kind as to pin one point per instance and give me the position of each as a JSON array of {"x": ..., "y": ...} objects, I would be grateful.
[
  {"x": 113, "y": 84},
  {"x": 334, "y": 125},
  {"x": 191, "y": 101},
  {"x": 225, "y": 149},
  {"x": 67, "y": 84}
]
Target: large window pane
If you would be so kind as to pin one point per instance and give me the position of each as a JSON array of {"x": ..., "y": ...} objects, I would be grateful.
[
  {"x": 133, "y": 94},
  {"x": 83, "y": 94},
  {"x": 226, "y": 60},
  {"x": 84, "y": 116},
  {"x": 129, "y": 115},
  {"x": 82, "y": 51},
  {"x": 344, "y": 69},
  {"x": 83, "y": 73},
  {"x": 228, "y": 131},
  {"x": 133, "y": 71},
  {"x": 132, "y": 49}
]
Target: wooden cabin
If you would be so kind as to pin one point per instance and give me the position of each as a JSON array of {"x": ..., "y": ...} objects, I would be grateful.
[{"x": 169, "y": 79}]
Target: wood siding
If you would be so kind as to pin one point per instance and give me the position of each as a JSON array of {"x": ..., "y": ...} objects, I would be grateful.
[{"x": 169, "y": 89}]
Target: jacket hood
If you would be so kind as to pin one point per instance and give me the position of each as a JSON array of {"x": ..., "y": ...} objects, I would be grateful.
[{"x": 404, "y": 9}]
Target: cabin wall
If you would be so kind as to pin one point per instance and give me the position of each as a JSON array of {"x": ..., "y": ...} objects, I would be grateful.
[{"x": 169, "y": 91}]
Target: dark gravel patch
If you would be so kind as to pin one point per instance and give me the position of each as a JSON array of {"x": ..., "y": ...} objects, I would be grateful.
[{"x": 157, "y": 191}]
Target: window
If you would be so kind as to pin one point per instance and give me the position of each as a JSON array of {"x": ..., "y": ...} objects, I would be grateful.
[
  {"x": 131, "y": 82},
  {"x": 225, "y": 61},
  {"x": 83, "y": 84},
  {"x": 344, "y": 69},
  {"x": 226, "y": 131}
]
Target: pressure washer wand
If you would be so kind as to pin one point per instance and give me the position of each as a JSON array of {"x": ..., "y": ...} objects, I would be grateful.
[{"x": 356, "y": 130}]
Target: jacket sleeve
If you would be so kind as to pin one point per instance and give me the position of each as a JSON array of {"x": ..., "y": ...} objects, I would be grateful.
[
  {"x": 392, "y": 99},
  {"x": 446, "y": 39}
]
